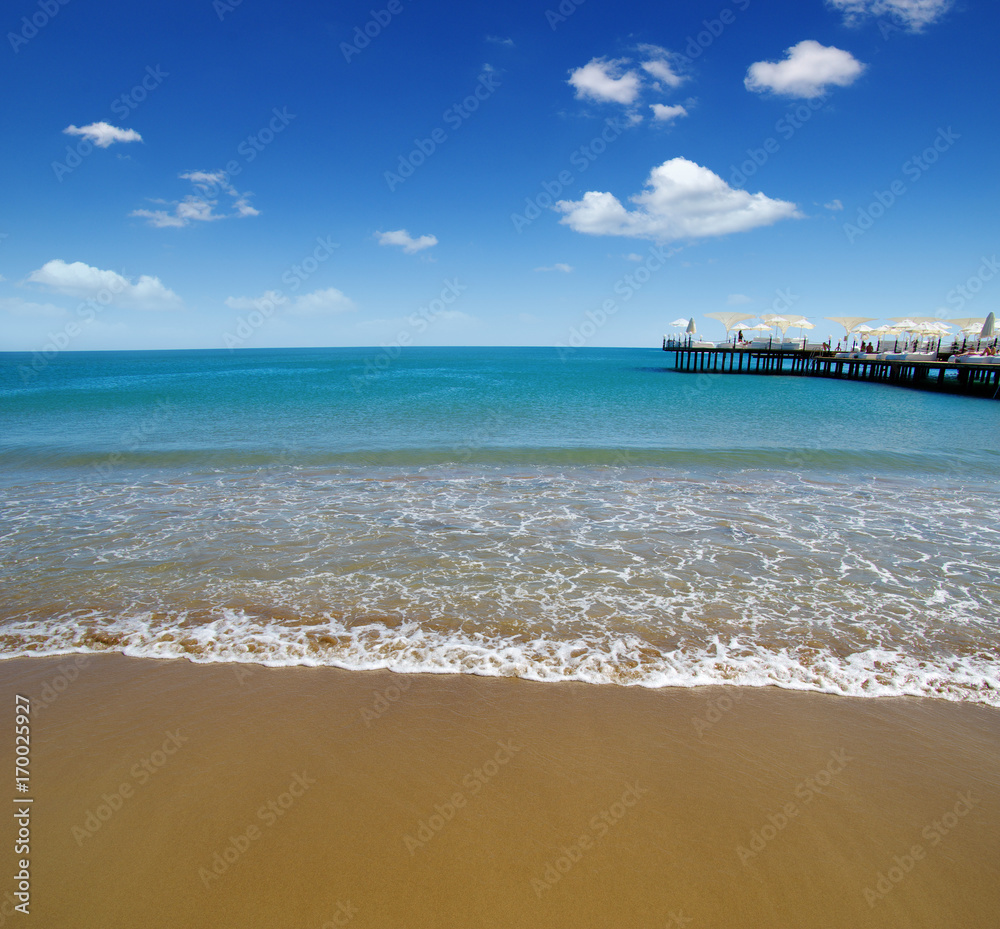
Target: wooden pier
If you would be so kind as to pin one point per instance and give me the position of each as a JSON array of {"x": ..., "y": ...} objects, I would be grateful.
[{"x": 970, "y": 378}]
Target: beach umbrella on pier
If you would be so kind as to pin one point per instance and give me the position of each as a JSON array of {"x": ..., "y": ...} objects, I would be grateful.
[
  {"x": 989, "y": 327},
  {"x": 850, "y": 322},
  {"x": 730, "y": 320},
  {"x": 967, "y": 322},
  {"x": 679, "y": 322},
  {"x": 690, "y": 327}
]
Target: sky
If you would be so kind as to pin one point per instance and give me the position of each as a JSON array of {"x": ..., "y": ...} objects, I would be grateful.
[{"x": 250, "y": 174}]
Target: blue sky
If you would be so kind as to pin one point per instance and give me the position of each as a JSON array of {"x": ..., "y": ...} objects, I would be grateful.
[{"x": 250, "y": 174}]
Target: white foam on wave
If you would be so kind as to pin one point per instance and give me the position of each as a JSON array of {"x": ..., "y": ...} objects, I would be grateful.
[{"x": 625, "y": 660}]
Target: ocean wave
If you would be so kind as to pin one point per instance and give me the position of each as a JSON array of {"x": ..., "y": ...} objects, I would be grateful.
[
  {"x": 626, "y": 660},
  {"x": 793, "y": 459}
]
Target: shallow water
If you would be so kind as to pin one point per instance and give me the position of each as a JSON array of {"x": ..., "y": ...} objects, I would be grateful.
[{"x": 502, "y": 512}]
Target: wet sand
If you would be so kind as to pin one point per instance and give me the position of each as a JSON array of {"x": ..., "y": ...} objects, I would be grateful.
[{"x": 170, "y": 794}]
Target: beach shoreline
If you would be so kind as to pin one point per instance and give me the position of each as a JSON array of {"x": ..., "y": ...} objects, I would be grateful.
[{"x": 234, "y": 794}]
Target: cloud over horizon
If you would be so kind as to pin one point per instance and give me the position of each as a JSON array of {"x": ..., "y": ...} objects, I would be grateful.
[
  {"x": 326, "y": 302},
  {"x": 681, "y": 200},
  {"x": 76, "y": 279}
]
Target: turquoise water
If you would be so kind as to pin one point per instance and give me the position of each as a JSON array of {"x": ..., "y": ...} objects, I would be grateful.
[{"x": 594, "y": 517}]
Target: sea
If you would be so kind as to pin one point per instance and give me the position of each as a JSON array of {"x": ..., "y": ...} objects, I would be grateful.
[{"x": 555, "y": 515}]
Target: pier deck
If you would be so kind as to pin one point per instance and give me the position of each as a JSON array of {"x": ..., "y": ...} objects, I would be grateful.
[{"x": 980, "y": 380}]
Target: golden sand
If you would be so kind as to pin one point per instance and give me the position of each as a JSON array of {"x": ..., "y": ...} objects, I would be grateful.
[{"x": 168, "y": 794}]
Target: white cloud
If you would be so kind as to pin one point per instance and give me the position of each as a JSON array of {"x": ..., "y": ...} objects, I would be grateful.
[
  {"x": 200, "y": 206},
  {"x": 658, "y": 65},
  {"x": 558, "y": 266},
  {"x": 104, "y": 134},
  {"x": 632, "y": 256},
  {"x": 913, "y": 14},
  {"x": 18, "y": 307},
  {"x": 318, "y": 303},
  {"x": 737, "y": 299},
  {"x": 321, "y": 303},
  {"x": 409, "y": 244},
  {"x": 807, "y": 71},
  {"x": 497, "y": 40},
  {"x": 834, "y": 205},
  {"x": 76, "y": 279},
  {"x": 664, "y": 113},
  {"x": 604, "y": 81},
  {"x": 681, "y": 200}
]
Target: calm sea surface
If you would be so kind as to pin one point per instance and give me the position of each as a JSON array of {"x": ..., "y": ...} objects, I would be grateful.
[{"x": 501, "y": 511}]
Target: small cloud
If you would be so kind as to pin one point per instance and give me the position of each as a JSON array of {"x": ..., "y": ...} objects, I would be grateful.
[
  {"x": 834, "y": 205},
  {"x": 200, "y": 206},
  {"x": 15, "y": 306},
  {"x": 663, "y": 113},
  {"x": 632, "y": 256},
  {"x": 558, "y": 266},
  {"x": 321, "y": 303},
  {"x": 738, "y": 299},
  {"x": 104, "y": 134},
  {"x": 326, "y": 302},
  {"x": 497, "y": 40},
  {"x": 658, "y": 65},
  {"x": 604, "y": 80},
  {"x": 409, "y": 244},
  {"x": 807, "y": 71},
  {"x": 913, "y": 14},
  {"x": 681, "y": 200},
  {"x": 76, "y": 279}
]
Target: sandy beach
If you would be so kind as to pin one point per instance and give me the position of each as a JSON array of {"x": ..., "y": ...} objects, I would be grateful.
[{"x": 167, "y": 793}]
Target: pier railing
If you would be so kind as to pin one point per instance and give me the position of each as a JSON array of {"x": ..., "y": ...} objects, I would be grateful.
[{"x": 970, "y": 377}]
